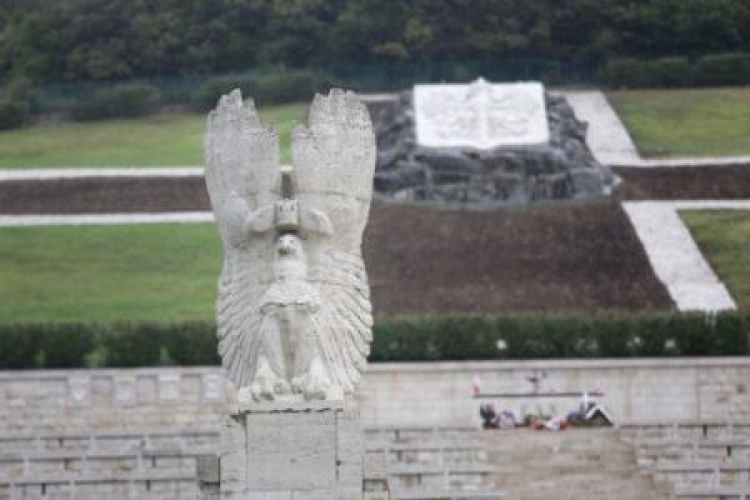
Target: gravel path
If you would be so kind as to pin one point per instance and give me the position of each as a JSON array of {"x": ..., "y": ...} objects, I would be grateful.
[{"x": 674, "y": 255}]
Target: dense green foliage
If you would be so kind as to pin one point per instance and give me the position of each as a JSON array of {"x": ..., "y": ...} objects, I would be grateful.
[
  {"x": 416, "y": 339},
  {"x": 270, "y": 88},
  {"x": 724, "y": 238},
  {"x": 13, "y": 113},
  {"x": 686, "y": 122},
  {"x": 121, "y": 39},
  {"x": 723, "y": 69},
  {"x": 14, "y": 104}
]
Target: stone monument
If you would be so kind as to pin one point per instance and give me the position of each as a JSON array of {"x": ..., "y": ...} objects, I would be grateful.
[
  {"x": 293, "y": 314},
  {"x": 480, "y": 116},
  {"x": 484, "y": 145}
]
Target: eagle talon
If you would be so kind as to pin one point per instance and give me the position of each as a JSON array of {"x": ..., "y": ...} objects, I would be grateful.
[
  {"x": 315, "y": 383},
  {"x": 267, "y": 384}
]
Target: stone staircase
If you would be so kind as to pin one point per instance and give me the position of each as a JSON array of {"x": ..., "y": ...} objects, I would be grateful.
[{"x": 573, "y": 464}]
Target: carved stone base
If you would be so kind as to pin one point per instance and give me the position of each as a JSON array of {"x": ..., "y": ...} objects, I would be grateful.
[{"x": 292, "y": 451}]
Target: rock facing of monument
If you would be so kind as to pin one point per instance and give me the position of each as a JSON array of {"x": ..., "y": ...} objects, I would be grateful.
[{"x": 563, "y": 169}]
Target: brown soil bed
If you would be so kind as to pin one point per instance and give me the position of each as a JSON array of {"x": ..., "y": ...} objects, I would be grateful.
[
  {"x": 684, "y": 183},
  {"x": 104, "y": 195},
  {"x": 108, "y": 195},
  {"x": 422, "y": 260},
  {"x": 583, "y": 258}
]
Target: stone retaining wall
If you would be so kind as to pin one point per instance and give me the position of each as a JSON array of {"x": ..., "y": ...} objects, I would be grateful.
[
  {"x": 635, "y": 391},
  {"x": 429, "y": 394}
]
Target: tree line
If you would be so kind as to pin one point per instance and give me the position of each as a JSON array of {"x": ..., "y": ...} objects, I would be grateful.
[{"x": 72, "y": 40}]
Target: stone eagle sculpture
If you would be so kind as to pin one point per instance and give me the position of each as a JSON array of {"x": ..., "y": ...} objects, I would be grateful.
[{"x": 293, "y": 309}]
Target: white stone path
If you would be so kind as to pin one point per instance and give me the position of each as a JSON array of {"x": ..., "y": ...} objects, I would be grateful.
[
  {"x": 607, "y": 137},
  {"x": 76, "y": 173},
  {"x": 105, "y": 219},
  {"x": 675, "y": 257}
]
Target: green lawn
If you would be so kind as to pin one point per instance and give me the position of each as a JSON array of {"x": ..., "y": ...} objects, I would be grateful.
[
  {"x": 102, "y": 273},
  {"x": 162, "y": 140},
  {"x": 724, "y": 237},
  {"x": 706, "y": 122}
]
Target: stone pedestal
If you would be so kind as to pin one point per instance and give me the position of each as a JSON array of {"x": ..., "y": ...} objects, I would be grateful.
[{"x": 292, "y": 451}]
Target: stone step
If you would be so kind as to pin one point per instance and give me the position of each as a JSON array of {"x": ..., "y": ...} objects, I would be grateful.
[{"x": 572, "y": 464}]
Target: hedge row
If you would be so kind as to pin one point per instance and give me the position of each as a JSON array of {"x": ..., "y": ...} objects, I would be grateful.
[
  {"x": 14, "y": 105},
  {"x": 274, "y": 85},
  {"x": 26, "y": 346},
  {"x": 130, "y": 100},
  {"x": 121, "y": 101},
  {"x": 672, "y": 72},
  {"x": 271, "y": 88}
]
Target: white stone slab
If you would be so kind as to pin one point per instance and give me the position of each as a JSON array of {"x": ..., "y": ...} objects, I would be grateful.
[{"x": 481, "y": 115}]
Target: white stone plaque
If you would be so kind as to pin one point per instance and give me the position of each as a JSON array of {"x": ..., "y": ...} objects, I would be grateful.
[
  {"x": 213, "y": 387},
  {"x": 125, "y": 390},
  {"x": 79, "y": 387},
  {"x": 169, "y": 387},
  {"x": 481, "y": 115}
]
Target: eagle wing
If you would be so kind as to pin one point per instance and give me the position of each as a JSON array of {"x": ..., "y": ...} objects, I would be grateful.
[
  {"x": 334, "y": 163},
  {"x": 242, "y": 176}
]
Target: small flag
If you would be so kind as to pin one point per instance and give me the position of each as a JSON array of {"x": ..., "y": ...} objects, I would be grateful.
[{"x": 475, "y": 385}]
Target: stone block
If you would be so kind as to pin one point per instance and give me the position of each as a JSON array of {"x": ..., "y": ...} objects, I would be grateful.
[
  {"x": 169, "y": 387},
  {"x": 233, "y": 456},
  {"x": 291, "y": 450},
  {"x": 268, "y": 495},
  {"x": 125, "y": 390},
  {"x": 317, "y": 495},
  {"x": 79, "y": 387},
  {"x": 350, "y": 448},
  {"x": 292, "y": 454},
  {"x": 213, "y": 387},
  {"x": 207, "y": 467},
  {"x": 147, "y": 390}
]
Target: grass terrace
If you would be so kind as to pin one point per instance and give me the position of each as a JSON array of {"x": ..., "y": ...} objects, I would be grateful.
[
  {"x": 724, "y": 238},
  {"x": 166, "y": 139},
  {"x": 705, "y": 122},
  {"x": 109, "y": 273}
]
